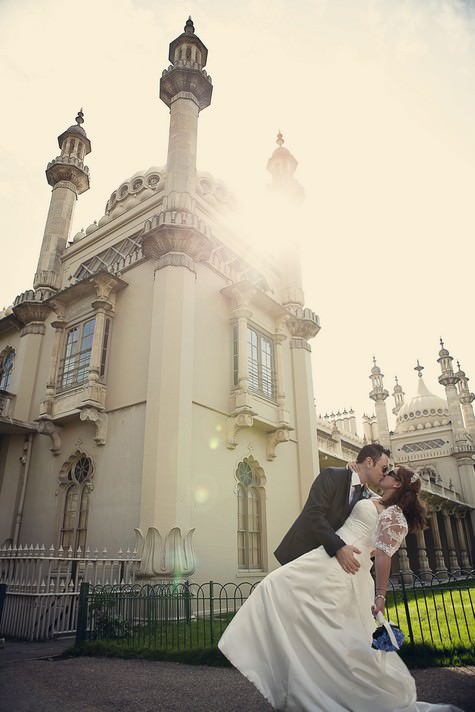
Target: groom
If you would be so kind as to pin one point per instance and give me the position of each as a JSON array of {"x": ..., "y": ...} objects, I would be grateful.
[{"x": 332, "y": 496}]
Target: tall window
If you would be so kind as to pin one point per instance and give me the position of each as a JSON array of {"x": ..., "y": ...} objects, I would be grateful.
[
  {"x": 260, "y": 363},
  {"x": 7, "y": 357},
  {"x": 78, "y": 481},
  {"x": 250, "y": 514},
  {"x": 74, "y": 368}
]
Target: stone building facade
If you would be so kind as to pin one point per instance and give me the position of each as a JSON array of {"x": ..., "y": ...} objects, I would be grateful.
[{"x": 155, "y": 383}]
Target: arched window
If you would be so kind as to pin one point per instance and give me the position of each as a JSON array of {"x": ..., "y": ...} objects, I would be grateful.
[
  {"x": 7, "y": 357},
  {"x": 76, "y": 478},
  {"x": 250, "y": 514}
]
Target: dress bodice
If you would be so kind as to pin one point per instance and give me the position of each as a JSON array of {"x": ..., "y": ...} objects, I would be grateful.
[{"x": 361, "y": 524}]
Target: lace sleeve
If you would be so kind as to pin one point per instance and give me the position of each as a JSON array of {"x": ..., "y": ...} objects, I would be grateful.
[{"x": 390, "y": 530}]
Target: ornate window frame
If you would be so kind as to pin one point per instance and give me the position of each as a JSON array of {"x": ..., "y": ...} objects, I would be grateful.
[
  {"x": 261, "y": 362},
  {"x": 7, "y": 360},
  {"x": 251, "y": 515},
  {"x": 76, "y": 482}
]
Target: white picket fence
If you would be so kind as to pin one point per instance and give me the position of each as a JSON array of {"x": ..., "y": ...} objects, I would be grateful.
[{"x": 43, "y": 586}]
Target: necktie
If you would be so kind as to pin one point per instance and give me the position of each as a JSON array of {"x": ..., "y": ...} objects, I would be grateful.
[{"x": 356, "y": 495}]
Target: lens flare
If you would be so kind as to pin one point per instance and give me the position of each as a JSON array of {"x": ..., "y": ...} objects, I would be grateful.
[{"x": 201, "y": 495}]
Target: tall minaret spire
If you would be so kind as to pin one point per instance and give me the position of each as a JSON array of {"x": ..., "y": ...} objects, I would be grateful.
[
  {"x": 398, "y": 395},
  {"x": 186, "y": 89},
  {"x": 69, "y": 177},
  {"x": 449, "y": 380},
  {"x": 379, "y": 395}
]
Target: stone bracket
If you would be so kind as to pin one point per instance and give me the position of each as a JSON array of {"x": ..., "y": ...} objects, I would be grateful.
[
  {"x": 99, "y": 419},
  {"x": 274, "y": 438},
  {"x": 235, "y": 423},
  {"x": 47, "y": 427}
]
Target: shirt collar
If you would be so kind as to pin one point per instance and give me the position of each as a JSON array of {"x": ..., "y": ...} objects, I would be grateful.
[{"x": 355, "y": 479}]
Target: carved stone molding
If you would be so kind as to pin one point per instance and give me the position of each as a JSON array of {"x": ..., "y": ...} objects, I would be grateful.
[
  {"x": 235, "y": 423},
  {"x": 99, "y": 419},
  {"x": 176, "y": 231},
  {"x": 32, "y": 315},
  {"x": 281, "y": 435},
  {"x": 303, "y": 323},
  {"x": 47, "y": 427},
  {"x": 176, "y": 259},
  {"x": 171, "y": 559},
  {"x": 299, "y": 343}
]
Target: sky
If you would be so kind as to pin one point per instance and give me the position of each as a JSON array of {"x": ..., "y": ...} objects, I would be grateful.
[{"x": 376, "y": 101}]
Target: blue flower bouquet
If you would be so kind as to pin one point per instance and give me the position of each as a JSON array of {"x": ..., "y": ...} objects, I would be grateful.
[{"x": 387, "y": 636}]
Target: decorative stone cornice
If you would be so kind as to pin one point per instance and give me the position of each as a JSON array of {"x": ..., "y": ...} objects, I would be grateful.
[
  {"x": 303, "y": 323},
  {"x": 176, "y": 259},
  {"x": 176, "y": 231},
  {"x": 300, "y": 344},
  {"x": 32, "y": 314},
  {"x": 103, "y": 285},
  {"x": 69, "y": 170}
]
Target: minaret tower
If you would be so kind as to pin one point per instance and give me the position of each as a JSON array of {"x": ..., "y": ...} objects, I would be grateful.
[
  {"x": 398, "y": 395},
  {"x": 69, "y": 177},
  {"x": 449, "y": 380},
  {"x": 175, "y": 240},
  {"x": 466, "y": 399},
  {"x": 463, "y": 449},
  {"x": 286, "y": 189},
  {"x": 186, "y": 89},
  {"x": 379, "y": 395},
  {"x": 303, "y": 324}
]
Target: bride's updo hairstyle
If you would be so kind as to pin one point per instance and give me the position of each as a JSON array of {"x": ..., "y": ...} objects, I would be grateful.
[{"x": 407, "y": 497}]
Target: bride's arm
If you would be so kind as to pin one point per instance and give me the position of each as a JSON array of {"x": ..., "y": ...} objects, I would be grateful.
[
  {"x": 382, "y": 569},
  {"x": 390, "y": 532}
]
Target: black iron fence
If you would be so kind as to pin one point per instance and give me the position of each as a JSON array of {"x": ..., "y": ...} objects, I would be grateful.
[{"x": 436, "y": 614}]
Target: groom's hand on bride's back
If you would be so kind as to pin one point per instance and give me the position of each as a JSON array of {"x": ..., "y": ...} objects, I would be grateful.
[{"x": 347, "y": 560}]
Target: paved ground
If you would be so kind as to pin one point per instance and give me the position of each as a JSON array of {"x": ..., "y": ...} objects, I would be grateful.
[{"x": 33, "y": 679}]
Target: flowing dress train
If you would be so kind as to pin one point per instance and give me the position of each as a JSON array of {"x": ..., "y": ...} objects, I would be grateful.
[{"x": 304, "y": 635}]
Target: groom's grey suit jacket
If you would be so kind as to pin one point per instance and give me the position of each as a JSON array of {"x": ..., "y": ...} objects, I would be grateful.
[{"x": 325, "y": 510}]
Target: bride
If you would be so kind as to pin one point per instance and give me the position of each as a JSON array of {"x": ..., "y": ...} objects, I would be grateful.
[{"x": 304, "y": 635}]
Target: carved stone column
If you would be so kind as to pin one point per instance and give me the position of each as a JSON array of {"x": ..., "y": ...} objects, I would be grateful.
[
  {"x": 59, "y": 326},
  {"x": 438, "y": 553},
  {"x": 166, "y": 503},
  {"x": 303, "y": 324},
  {"x": 279, "y": 339},
  {"x": 404, "y": 564},
  {"x": 425, "y": 572},
  {"x": 453, "y": 563},
  {"x": 242, "y": 314},
  {"x": 464, "y": 559}
]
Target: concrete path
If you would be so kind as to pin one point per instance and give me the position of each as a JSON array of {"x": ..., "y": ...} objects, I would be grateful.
[{"x": 33, "y": 679}]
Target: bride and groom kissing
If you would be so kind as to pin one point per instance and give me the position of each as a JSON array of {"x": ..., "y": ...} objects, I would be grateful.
[{"x": 304, "y": 635}]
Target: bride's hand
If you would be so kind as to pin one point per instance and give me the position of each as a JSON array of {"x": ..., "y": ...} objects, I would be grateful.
[
  {"x": 352, "y": 466},
  {"x": 378, "y": 606}
]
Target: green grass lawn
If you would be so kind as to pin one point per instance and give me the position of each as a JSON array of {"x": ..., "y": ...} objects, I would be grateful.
[{"x": 441, "y": 621}]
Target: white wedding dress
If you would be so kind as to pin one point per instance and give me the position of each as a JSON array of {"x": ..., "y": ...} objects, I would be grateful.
[{"x": 304, "y": 635}]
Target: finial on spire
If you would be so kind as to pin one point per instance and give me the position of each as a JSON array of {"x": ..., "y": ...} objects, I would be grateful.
[
  {"x": 80, "y": 117},
  {"x": 280, "y": 138},
  {"x": 419, "y": 369},
  {"x": 441, "y": 343},
  {"x": 189, "y": 27}
]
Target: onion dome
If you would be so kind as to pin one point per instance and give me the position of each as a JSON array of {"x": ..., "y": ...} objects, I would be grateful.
[{"x": 425, "y": 410}]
